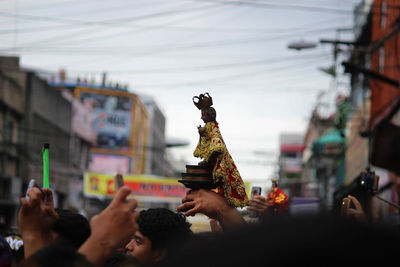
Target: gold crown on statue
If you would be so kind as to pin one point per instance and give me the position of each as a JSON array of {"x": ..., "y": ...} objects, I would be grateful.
[{"x": 202, "y": 101}]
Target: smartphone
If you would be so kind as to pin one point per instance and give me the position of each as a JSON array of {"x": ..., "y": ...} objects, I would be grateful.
[
  {"x": 30, "y": 186},
  {"x": 370, "y": 180},
  {"x": 345, "y": 205},
  {"x": 255, "y": 191},
  {"x": 119, "y": 181}
]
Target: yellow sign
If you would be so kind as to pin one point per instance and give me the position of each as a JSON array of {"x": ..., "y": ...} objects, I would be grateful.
[{"x": 97, "y": 184}]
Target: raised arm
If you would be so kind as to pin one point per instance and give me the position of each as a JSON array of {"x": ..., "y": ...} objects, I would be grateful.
[
  {"x": 112, "y": 228},
  {"x": 36, "y": 220}
]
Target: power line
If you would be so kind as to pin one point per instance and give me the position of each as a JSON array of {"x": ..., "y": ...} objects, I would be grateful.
[
  {"x": 168, "y": 27},
  {"x": 155, "y": 27},
  {"x": 297, "y": 7},
  {"x": 206, "y": 67},
  {"x": 282, "y": 6},
  {"x": 68, "y": 26},
  {"x": 116, "y": 22},
  {"x": 164, "y": 27},
  {"x": 110, "y": 22},
  {"x": 232, "y": 77},
  {"x": 160, "y": 48}
]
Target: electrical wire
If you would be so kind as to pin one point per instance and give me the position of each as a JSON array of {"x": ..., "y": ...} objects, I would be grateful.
[
  {"x": 65, "y": 39},
  {"x": 206, "y": 67},
  {"x": 279, "y": 5},
  {"x": 234, "y": 76},
  {"x": 113, "y": 22},
  {"x": 160, "y": 48},
  {"x": 180, "y": 28},
  {"x": 296, "y": 7}
]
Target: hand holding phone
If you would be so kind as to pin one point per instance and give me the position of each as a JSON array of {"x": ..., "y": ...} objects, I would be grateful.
[
  {"x": 255, "y": 191},
  {"x": 30, "y": 186},
  {"x": 345, "y": 205}
]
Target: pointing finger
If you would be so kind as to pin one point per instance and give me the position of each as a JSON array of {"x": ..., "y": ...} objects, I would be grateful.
[{"x": 121, "y": 195}]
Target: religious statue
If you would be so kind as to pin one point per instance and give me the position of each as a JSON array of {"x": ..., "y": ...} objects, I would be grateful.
[
  {"x": 277, "y": 200},
  {"x": 215, "y": 156}
]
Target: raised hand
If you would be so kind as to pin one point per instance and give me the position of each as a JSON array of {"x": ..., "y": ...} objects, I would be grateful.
[
  {"x": 36, "y": 219},
  {"x": 212, "y": 205},
  {"x": 112, "y": 228}
]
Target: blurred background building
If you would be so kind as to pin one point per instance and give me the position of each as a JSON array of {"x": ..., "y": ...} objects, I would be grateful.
[
  {"x": 290, "y": 162},
  {"x": 98, "y": 129},
  {"x": 93, "y": 132}
]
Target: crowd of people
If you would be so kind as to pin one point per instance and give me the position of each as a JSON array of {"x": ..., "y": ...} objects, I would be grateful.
[{"x": 122, "y": 236}]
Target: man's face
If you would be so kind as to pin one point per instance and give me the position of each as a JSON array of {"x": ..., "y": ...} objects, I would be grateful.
[{"x": 140, "y": 248}]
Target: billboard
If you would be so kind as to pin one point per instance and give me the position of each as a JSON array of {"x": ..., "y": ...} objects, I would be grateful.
[
  {"x": 82, "y": 119},
  {"x": 109, "y": 163},
  {"x": 97, "y": 184},
  {"x": 113, "y": 114}
]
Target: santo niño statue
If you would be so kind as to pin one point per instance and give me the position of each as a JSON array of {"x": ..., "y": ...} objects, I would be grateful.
[{"x": 212, "y": 150}]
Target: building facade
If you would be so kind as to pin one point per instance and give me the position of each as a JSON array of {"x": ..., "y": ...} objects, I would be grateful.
[
  {"x": 156, "y": 162},
  {"x": 34, "y": 113},
  {"x": 373, "y": 127},
  {"x": 290, "y": 163},
  {"x": 12, "y": 109}
]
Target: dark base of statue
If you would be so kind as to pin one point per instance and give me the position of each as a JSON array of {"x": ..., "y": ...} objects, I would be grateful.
[{"x": 197, "y": 177}]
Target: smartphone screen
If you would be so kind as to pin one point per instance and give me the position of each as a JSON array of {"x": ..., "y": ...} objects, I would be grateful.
[{"x": 255, "y": 191}]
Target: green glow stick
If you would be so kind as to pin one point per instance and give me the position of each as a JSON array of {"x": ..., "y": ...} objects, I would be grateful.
[{"x": 45, "y": 152}]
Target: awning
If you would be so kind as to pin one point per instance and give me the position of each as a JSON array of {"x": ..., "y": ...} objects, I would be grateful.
[
  {"x": 330, "y": 144},
  {"x": 333, "y": 137},
  {"x": 287, "y": 148}
]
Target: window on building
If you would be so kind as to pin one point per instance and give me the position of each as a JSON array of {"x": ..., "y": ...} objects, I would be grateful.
[
  {"x": 10, "y": 131},
  {"x": 5, "y": 188},
  {"x": 383, "y": 14},
  {"x": 381, "y": 58}
]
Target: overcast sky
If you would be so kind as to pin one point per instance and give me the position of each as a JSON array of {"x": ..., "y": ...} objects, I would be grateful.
[{"x": 172, "y": 50}]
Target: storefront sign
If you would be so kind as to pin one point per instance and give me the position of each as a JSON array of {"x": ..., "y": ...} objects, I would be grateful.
[{"x": 96, "y": 184}]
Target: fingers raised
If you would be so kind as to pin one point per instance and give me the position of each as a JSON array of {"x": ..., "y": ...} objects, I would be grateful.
[
  {"x": 355, "y": 202},
  {"x": 121, "y": 195},
  {"x": 49, "y": 197},
  {"x": 35, "y": 196}
]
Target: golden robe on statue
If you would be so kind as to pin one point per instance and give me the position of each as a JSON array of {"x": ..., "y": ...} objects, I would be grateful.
[{"x": 224, "y": 173}]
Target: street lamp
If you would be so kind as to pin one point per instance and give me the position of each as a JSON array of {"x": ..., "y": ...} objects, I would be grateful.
[{"x": 300, "y": 45}]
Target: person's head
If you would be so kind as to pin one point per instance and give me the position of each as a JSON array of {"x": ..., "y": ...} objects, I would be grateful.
[
  {"x": 5, "y": 253},
  {"x": 208, "y": 114},
  {"x": 121, "y": 259},
  {"x": 17, "y": 246},
  {"x": 297, "y": 241},
  {"x": 160, "y": 232},
  {"x": 59, "y": 256},
  {"x": 71, "y": 228}
]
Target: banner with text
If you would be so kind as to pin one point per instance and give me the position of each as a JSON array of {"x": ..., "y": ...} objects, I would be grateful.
[{"x": 96, "y": 184}]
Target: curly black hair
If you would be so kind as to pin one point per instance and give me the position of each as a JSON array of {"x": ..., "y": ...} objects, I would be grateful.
[
  {"x": 164, "y": 228},
  {"x": 73, "y": 229}
]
